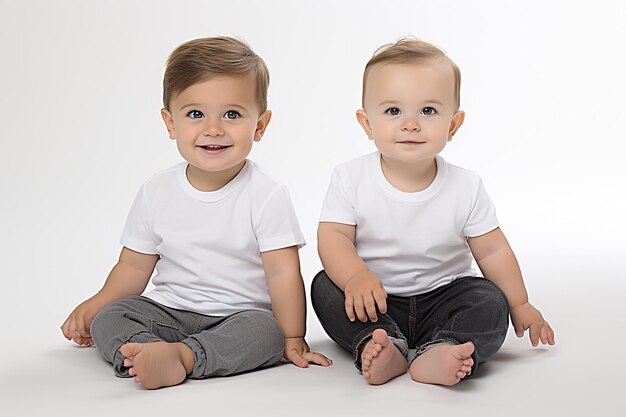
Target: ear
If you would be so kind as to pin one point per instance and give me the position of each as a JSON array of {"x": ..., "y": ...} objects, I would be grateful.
[
  {"x": 261, "y": 124},
  {"x": 455, "y": 124},
  {"x": 169, "y": 123},
  {"x": 361, "y": 116}
]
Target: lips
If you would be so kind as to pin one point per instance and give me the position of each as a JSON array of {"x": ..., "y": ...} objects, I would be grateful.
[{"x": 213, "y": 147}]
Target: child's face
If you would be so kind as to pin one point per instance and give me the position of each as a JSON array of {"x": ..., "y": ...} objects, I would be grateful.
[
  {"x": 410, "y": 110},
  {"x": 214, "y": 123}
]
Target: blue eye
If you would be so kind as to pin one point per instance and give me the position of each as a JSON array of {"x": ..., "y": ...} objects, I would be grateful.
[
  {"x": 195, "y": 114},
  {"x": 428, "y": 111},
  {"x": 232, "y": 114},
  {"x": 393, "y": 111}
]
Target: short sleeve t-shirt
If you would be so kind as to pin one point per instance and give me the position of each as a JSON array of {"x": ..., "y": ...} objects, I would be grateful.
[
  {"x": 414, "y": 242},
  {"x": 210, "y": 243}
]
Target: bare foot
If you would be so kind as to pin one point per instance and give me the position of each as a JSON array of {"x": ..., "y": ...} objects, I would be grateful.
[
  {"x": 381, "y": 360},
  {"x": 443, "y": 365},
  {"x": 157, "y": 364}
]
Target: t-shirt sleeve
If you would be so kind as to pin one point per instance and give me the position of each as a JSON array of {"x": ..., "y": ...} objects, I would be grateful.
[
  {"x": 276, "y": 224},
  {"x": 338, "y": 205},
  {"x": 482, "y": 218},
  {"x": 137, "y": 234}
]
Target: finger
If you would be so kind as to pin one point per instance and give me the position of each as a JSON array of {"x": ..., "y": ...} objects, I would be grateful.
[
  {"x": 533, "y": 333},
  {"x": 80, "y": 340},
  {"x": 349, "y": 307},
  {"x": 80, "y": 326},
  {"x": 519, "y": 330},
  {"x": 317, "y": 358},
  {"x": 550, "y": 334},
  {"x": 296, "y": 359},
  {"x": 381, "y": 300},
  {"x": 65, "y": 328},
  {"x": 87, "y": 327},
  {"x": 370, "y": 308},
  {"x": 543, "y": 334},
  {"x": 551, "y": 340},
  {"x": 359, "y": 309},
  {"x": 70, "y": 327}
]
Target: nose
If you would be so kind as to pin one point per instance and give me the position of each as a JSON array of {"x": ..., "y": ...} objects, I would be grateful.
[
  {"x": 212, "y": 129},
  {"x": 411, "y": 124}
]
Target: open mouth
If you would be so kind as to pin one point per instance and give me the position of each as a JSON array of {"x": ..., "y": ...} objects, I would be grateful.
[{"x": 214, "y": 147}]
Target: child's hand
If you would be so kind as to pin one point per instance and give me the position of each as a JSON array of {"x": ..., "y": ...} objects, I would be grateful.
[
  {"x": 525, "y": 317},
  {"x": 297, "y": 351},
  {"x": 76, "y": 326},
  {"x": 363, "y": 293}
]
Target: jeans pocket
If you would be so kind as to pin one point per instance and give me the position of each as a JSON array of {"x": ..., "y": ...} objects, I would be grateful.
[{"x": 166, "y": 331}]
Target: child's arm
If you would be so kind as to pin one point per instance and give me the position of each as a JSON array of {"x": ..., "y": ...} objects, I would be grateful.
[
  {"x": 498, "y": 263},
  {"x": 128, "y": 277},
  {"x": 282, "y": 268},
  {"x": 363, "y": 289}
]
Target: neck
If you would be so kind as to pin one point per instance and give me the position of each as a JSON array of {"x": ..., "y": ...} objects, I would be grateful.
[
  {"x": 409, "y": 177},
  {"x": 212, "y": 181}
]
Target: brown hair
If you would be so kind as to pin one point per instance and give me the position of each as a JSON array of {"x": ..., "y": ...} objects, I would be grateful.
[
  {"x": 407, "y": 51},
  {"x": 202, "y": 59}
]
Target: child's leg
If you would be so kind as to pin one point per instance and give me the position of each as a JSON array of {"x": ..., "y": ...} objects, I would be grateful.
[
  {"x": 138, "y": 336},
  {"x": 470, "y": 318},
  {"x": 241, "y": 342},
  {"x": 215, "y": 346},
  {"x": 132, "y": 320},
  {"x": 356, "y": 337}
]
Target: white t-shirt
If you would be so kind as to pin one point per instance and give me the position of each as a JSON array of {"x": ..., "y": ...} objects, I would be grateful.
[
  {"x": 210, "y": 243},
  {"x": 414, "y": 242}
]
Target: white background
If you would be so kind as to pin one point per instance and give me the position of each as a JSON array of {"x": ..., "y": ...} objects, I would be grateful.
[{"x": 543, "y": 90}]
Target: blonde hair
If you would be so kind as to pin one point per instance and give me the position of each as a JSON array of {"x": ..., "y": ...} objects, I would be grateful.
[
  {"x": 202, "y": 59},
  {"x": 408, "y": 51}
]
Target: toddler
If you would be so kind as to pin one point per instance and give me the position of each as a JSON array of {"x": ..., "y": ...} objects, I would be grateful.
[
  {"x": 398, "y": 231},
  {"x": 220, "y": 232}
]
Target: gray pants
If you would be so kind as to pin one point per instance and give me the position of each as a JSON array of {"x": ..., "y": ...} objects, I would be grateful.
[{"x": 243, "y": 341}]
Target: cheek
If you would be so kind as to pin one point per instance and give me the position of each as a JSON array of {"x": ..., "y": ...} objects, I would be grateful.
[
  {"x": 243, "y": 138},
  {"x": 383, "y": 126},
  {"x": 244, "y": 131},
  {"x": 436, "y": 129},
  {"x": 186, "y": 131}
]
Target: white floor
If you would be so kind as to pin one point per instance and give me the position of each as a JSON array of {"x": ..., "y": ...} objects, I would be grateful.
[{"x": 582, "y": 375}]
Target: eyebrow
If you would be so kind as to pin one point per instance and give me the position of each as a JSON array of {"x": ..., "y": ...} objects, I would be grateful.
[
  {"x": 392, "y": 102},
  {"x": 239, "y": 106}
]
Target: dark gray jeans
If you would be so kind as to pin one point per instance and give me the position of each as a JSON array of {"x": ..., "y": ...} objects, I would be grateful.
[
  {"x": 228, "y": 345},
  {"x": 469, "y": 309}
]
